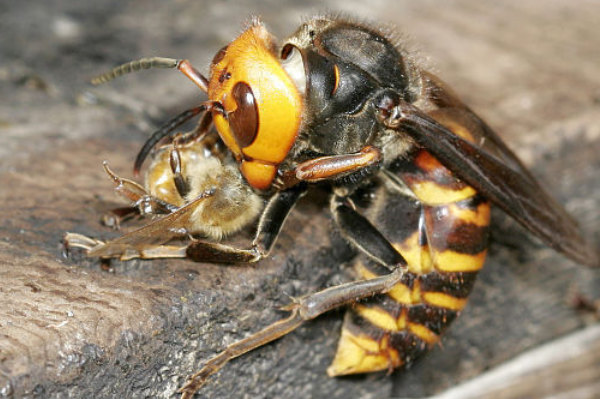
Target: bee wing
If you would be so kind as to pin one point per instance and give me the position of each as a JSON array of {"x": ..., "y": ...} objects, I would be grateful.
[
  {"x": 153, "y": 234},
  {"x": 469, "y": 148}
]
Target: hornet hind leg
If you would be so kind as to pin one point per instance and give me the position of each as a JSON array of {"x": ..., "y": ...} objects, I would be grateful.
[{"x": 359, "y": 232}]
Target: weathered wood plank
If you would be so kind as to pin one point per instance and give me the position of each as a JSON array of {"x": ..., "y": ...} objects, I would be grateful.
[
  {"x": 69, "y": 329},
  {"x": 575, "y": 372}
]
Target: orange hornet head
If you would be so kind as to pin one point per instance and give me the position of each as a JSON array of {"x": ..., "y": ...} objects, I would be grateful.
[
  {"x": 255, "y": 105},
  {"x": 260, "y": 106}
]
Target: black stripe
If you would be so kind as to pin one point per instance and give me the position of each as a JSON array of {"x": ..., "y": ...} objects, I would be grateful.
[
  {"x": 384, "y": 303},
  {"x": 408, "y": 345},
  {"x": 467, "y": 238},
  {"x": 449, "y": 232},
  {"x": 457, "y": 284},
  {"x": 434, "y": 318},
  {"x": 408, "y": 170},
  {"x": 358, "y": 325},
  {"x": 472, "y": 203},
  {"x": 399, "y": 217}
]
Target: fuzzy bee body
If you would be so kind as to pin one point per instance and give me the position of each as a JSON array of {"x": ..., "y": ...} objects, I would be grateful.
[
  {"x": 341, "y": 105},
  {"x": 204, "y": 168}
]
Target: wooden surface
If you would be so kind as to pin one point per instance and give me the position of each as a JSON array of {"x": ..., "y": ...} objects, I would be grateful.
[{"x": 70, "y": 329}]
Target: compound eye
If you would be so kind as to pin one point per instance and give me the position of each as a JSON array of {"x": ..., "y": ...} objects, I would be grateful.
[
  {"x": 293, "y": 64},
  {"x": 244, "y": 120}
]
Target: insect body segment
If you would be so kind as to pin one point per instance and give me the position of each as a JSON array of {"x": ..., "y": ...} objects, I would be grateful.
[{"x": 443, "y": 239}]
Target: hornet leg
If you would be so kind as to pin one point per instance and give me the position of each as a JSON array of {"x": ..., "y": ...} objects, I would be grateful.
[
  {"x": 269, "y": 226},
  {"x": 359, "y": 232},
  {"x": 329, "y": 167}
]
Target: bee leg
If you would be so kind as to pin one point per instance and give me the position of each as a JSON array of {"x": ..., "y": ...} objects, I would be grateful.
[
  {"x": 365, "y": 237},
  {"x": 141, "y": 202},
  {"x": 124, "y": 253},
  {"x": 150, "y": 205},
  {"x": 147, "y": 204},
  {"x": 199, "y": 132},
  {"x": 139, "y": 197},
  {"x": 168, "y": 129},
  {"x": 334, "y": 166},
  {"x": 76, "y": 240},
  {"x": 269, "y": 226},
  {"x": 116, "y": 216},
  {"x": 183, "y": 187},
  {"x": 163, "y": 132}
]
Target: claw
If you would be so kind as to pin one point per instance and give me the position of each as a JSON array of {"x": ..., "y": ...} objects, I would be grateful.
[
  {"x": 125, "y": 187},
  {"x": 76, "y": 240}
]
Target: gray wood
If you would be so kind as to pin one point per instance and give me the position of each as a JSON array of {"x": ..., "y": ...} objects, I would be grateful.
[
  {"x": 70, "y": 329},
  {"x": 574, "y": 373}
]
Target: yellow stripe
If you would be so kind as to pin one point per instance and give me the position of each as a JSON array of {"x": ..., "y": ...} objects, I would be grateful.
[
  {"x": 478, "y": 217},
  {"x": 434, "y": 194},
  {"x": 423, "y": 332},
  {"x": 445, "y": 301},
  {"x": 365, "y": 342},
  {"x": 377, "y": 317},
  {"x": 362, "y": 354},
  {"x": 401, "y": 294},
  {"x": 403, "y": 319},
  {"x": 450, "y": 261},
  {"x": 418, "y": 257},
  {"x": 404, "y": 295}
]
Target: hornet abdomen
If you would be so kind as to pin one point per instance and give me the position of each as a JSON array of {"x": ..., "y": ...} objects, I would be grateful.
[{"x": 440, "y": 226}]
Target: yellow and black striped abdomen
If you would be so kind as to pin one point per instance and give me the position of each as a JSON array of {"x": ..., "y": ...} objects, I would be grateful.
[{"x": 442, "y": 233}]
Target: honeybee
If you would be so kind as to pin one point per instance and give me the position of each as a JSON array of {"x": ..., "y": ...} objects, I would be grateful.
[
  {"x": 195, "y": 188},
  {"x": 340, "y": 105}
]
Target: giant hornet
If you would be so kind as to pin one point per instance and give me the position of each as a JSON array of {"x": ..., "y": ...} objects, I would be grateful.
[{"x": 339, "y": 105}]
